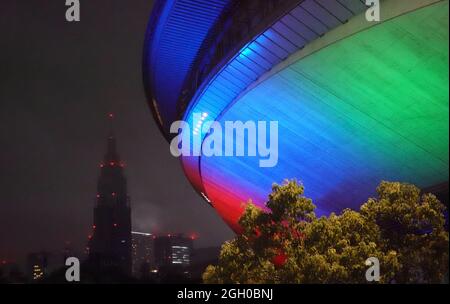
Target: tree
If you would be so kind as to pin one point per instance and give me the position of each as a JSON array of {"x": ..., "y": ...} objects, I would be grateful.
[
  {"x": 413, "y": 226},
  {"x": 287, "y": 243}
]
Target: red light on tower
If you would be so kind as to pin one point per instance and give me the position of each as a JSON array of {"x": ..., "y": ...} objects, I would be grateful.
[
  {"x": 113, "y": 194},
  {"x": 93, "y": 226},
  {"x": 112, "y": 164},
  {"x": 111, "y": 115},
  {"x": 115, "y": 225}
]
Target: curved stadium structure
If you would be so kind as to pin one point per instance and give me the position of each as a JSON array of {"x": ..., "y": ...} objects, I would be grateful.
[{"x": 356, "y": 102}]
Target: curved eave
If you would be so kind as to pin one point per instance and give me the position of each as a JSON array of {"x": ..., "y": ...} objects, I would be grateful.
[{"x": 175, "y": 34}]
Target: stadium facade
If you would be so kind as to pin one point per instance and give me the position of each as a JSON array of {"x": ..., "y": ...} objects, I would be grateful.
[{"x": 356, "y": 101}]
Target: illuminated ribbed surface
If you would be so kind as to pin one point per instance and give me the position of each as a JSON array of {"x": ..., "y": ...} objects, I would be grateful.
[
  {"x": 372, "y": 106},
  {"x": 180, "y": 30},
  {"x": 306, "y": 22},
  {"x": 303, "y": 24}
]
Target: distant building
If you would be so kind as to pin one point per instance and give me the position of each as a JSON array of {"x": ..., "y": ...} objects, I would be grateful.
[
  {"x": 110, "y": 242},
  {"x": 41, "y": 264},
  {"x": 143, "y": 260},
  {"x": 173, "y": 251}
]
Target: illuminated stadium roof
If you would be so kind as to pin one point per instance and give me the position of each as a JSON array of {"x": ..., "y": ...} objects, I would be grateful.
[
  {"x": 356, "y": 103},
  {"x": 175, "y": 35}
]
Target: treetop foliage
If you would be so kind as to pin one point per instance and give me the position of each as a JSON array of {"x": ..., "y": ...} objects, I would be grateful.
[{"x": 288, "y": 243}]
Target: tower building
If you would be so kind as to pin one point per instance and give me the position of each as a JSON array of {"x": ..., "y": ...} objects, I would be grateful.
[{"x": 110, "y": 244}]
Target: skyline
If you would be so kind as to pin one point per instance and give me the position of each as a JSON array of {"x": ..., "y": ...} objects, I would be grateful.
[
  {"x": 54, "y": 141},
  {"x": 293, "y": 141}
]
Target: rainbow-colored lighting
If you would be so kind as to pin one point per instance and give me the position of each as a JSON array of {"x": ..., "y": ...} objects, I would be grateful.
[
  {"x": 356, "y": 102},
  {"x": 373, "y": 106}
]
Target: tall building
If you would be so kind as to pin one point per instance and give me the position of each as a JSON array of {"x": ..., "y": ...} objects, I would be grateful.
[
  {"x": 110, "y": 244},
  {"x": 173, "y": 251},
  {"x": 142, "y": 253}
]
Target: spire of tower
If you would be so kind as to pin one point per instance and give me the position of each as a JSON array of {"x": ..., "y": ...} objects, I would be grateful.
[
  {"x": 111, "y": 117},
  {"x": 111, "y": 151}
]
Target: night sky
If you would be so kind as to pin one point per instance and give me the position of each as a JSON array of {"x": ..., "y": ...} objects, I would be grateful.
[{"x": 58, "y": 80}]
